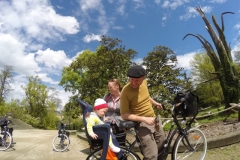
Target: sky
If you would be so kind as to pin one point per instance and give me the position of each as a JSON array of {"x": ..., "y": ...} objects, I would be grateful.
[{"x": 40, "y": 37}]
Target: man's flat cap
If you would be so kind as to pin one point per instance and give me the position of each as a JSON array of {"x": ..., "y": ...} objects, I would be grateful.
[{"x": 136, "y": 72}]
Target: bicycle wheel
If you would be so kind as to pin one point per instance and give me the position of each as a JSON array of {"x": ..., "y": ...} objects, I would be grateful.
[
  {"x": 191, "y": 146},
  {"x": 60, "y": 143},
  {"x": 128, "y": 155},
  {"x": 5, "y": 141}
]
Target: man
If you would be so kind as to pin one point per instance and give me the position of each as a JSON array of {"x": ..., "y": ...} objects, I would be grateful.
[{"x": 136, "y": 105}]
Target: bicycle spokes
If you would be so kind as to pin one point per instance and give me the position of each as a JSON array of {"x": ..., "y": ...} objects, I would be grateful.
[{"x": 193, "y": 145}]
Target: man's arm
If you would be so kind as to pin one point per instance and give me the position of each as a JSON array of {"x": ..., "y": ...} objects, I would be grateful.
[
  {"x": 156, "y": 104},
  {"x": 133, "y": 117}
]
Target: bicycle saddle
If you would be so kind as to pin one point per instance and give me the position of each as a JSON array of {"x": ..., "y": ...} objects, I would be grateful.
[{"x": 127, "y": 124}]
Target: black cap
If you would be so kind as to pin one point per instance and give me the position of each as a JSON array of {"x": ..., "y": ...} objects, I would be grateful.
[{"x": 136, "y": 72}]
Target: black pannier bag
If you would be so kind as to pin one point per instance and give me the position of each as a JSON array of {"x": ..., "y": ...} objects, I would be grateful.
[
  {"x": 188, "y": 105},
  {"x": 2, "y": 121}
]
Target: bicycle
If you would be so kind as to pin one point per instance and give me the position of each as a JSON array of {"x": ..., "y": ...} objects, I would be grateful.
[
  {"x": 61, "y": 142},
  {"x": 189, "y": 143},
  {"x": 6, "y": 139}
]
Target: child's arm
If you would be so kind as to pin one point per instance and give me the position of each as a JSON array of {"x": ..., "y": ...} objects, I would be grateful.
[
  {"x": 90, "y": 124},
  {"x": 92, "y": 121}
]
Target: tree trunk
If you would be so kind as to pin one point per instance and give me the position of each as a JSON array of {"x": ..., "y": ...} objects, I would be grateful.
[{"x": 221, "y": 59}]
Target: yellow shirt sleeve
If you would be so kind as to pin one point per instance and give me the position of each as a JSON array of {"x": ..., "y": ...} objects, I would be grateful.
[{"x": 92, "y": 120}]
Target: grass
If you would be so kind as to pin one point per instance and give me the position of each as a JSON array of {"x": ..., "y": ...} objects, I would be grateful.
[{"x": 213, "y": 116}]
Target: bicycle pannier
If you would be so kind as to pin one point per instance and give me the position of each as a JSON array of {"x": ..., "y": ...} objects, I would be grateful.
[
  {"x": 188, "y": 102},
  {"x": 2, "y": 122}
]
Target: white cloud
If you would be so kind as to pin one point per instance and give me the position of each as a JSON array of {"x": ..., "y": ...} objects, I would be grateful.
[
  {"x": 183, "y": 60},
  {"x": 138, "y": 60},
  {"x": 192, "y": 13},
  {"x": 45, "y": 78},
  {"x": 91, "y": 6},
  {"x": 27, "y": 20},
  {"x": 121, "y": 7},
  {"x": 63, "y": 96},
  {"x": 131, "y": 26},
  {"x": 18, "y": 92},
  {"x": 92, "y": 37},
  {"x": 117, "y": 27},
  {"x": 164, "y": 19},
  {"x": 218, "y": 1},
  {"x": 175, "y": 4},
  {"x": 237, "y": 26},
  {"x": 207, "y": 9},
  {"x": 52, "y": 59},
  {"x": 138, "y": 4},
  {"x": 13, "y": 53},
  {"x": 157, "y": 1}
]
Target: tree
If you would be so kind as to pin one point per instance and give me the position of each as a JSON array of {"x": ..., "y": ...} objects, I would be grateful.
[
  {"x": 209, "y": 92},
  {"x": 40, "y": 102},
  {"x": 224, "y": 68},
  {"x": 6, "y": 77},
  {"x": 164, "y": 79},
  {"x": 89, "y": 73}
]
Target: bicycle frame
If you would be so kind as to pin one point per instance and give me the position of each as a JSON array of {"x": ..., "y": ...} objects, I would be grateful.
[
  {"x": 7, "y": 134},
  {"x": 61, "y": 141},
  {"x": 182, "y": 131},
  {"x": 163, "y": 152}
]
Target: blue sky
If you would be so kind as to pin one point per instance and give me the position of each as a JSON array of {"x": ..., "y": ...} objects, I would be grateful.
[{"x": 40, "y": 37}]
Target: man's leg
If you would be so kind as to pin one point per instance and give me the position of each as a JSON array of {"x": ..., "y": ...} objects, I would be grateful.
[
  {"x": 160, "y": 138},
  {"x": 148, "y": 144}
]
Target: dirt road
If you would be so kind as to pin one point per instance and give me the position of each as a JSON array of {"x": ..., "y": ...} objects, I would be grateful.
[{"x": 34, "y": 144}]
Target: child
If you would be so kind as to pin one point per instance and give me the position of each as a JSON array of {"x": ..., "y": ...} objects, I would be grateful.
[{"x": 100, "y": 109}]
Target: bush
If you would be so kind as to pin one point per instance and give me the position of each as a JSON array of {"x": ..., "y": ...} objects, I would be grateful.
[
  {"x": 76, "y": 124},
  {"x": 30, "y": 120}
]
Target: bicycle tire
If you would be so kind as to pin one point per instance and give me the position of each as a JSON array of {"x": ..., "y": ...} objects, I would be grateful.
[
  {"x": 96, "y": 155},
  {"x": 60, "y": 143},
  {"x": 5, "y": 141},
  {"x": 198, "y": 142}
]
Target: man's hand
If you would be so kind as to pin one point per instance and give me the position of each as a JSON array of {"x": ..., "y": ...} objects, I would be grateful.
[
  {"x": 149, "y": 120},
  {"x": 156, "y": 104}
]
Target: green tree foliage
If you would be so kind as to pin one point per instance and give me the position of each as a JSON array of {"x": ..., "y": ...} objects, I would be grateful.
[
  {"x": 88, "y": 74},
  {"x": 40, "y": 104},
  {"x": 224, "y": 68},
  {"x": 208, "y": 90},
  {"x": 6, "y": 77},
  {"x": 164, "y": 78},
  {"x": 15, "y": 107}
]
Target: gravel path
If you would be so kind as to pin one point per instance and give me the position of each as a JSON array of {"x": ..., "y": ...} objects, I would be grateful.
[{"x": 36, "y": 144}]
